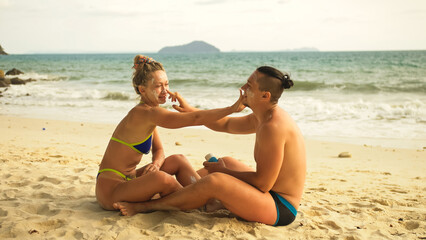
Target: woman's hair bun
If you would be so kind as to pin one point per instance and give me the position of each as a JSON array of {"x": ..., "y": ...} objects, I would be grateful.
[{"x": 140, "y": 60}]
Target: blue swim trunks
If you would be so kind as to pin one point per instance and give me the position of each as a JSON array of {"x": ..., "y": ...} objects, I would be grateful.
[{"x": 286, "y": 213}]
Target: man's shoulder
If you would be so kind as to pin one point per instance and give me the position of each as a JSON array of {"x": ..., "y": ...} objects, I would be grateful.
[
  {"x": 279, "y": 123},
  {"x": 278, "y": 119},
  {"x": 272, "y": 127}
]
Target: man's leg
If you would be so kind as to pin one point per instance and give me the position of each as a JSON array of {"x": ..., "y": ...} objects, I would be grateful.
[
  {"x": 230, "y": 163},
  {"x": 237, "y": 196}
]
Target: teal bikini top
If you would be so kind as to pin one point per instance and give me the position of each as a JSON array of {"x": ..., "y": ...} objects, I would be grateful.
[{"x": 141, "y": 147}]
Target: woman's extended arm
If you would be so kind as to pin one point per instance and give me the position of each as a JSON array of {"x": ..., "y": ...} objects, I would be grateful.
[{"x": 167, "y": 119}]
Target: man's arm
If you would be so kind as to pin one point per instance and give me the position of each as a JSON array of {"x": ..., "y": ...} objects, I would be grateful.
[
  {"x": 235, "y": 125},
  {"x": 269, "y": 155}
]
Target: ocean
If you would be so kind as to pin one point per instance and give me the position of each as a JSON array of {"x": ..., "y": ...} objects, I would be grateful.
[{"x": 373, "y": 98}]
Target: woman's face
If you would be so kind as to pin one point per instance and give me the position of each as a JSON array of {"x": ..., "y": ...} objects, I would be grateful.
[{"x": 155, "y": 91}]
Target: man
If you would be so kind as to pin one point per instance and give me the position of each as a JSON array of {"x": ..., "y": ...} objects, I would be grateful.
[{"x": 272, "y": 192}]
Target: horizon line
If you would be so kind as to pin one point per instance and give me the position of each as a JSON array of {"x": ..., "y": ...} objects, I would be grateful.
[{"x": 232, "y": 51}]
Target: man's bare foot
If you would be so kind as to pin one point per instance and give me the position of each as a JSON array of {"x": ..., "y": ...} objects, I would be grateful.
[
  {"x": 213, "y": 205},
  {"x": 126, "y": 209}
]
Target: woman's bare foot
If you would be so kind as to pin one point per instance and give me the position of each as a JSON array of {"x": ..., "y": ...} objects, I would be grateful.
[{"x": 126, "y": 209}]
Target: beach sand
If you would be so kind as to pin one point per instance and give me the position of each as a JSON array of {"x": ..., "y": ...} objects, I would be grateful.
[{"x": 48, "y": 173}]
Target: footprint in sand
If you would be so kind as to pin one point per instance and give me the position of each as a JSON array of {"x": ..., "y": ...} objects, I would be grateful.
[
  {"x": 355, "y": 210},
  {"x": 38, "y": 186},
  {"x": 68, "y": 190},
  {"x": 411, "y": 225},
  {"x": 43, "y": 209},
  {"x": 332, "y": 225},
  {"x": 42, "y": 195},
  {"x": 19, "y": 184},
  {"x": 51, "y": 224},
  {"x": 377, "y": 209},
  {"x": 73, "y": 177},
  {"x": 108, "y": 220},
  {"x": 6, "y": 176},
  {"x": 320, "y": 189},
  {"x": 78, "y": 234},
  {"x": 383, "y": 202},
  {"x": 8, "y": 194},
  {"x": 313, "y": 213},
  {"x": 361, "y": 205},
  {"x": 3, "y": 213},
  {"x": 49, "y": 179},
  {"x": 316, "y": 211},
  {"x": 77, "y": 170},
  {"x": 399, "y": 191}
]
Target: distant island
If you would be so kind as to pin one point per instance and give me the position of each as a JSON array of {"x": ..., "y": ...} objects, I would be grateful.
[
  {"x": 193, "y": 47},
  {"x": 2, "y": 52},
  {"x": 303, "y": 49}
]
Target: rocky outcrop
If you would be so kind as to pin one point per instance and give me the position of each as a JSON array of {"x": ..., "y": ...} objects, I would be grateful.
[
  {"x": 6, "y": 82},
  {"x": 2, "y": 52},
  {"x": 2, "y": 79},
  {"x": 17, "y": 81},
  {"x": 14, "y": 71},
  {"x": 193, "y": 47}
]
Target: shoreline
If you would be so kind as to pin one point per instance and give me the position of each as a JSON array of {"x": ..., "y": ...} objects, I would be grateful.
[
  {"x": 49, "y": 178},
  {"x": 400, "y": 143},
  {"x": 413, "y": 144}
]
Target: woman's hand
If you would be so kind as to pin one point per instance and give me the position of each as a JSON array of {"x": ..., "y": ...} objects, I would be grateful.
[
  {"x": 238, "y": 105},
  {"x": 212, "y": 167},
  {"x": 183, "y": 105},
  {"x": 150, "y": 168}
]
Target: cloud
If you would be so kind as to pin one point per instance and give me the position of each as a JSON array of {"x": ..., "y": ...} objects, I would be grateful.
[
  {"x": 215, "y": 2},
  {"x": 4, "y": 3},
  {"x": 410, "y": 12},
  {"x": 209, "y": 2},
  {"x": 339, "y": 20},
  {"x": 113, "y": 12}
]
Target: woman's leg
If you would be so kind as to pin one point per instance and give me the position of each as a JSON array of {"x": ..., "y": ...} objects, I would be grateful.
[
  {"x": 178, "y": 165},
  {"x": 139, "y": 189}
]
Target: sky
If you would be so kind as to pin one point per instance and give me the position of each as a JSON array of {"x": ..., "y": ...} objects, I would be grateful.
[{"x": 81, "y": 26}]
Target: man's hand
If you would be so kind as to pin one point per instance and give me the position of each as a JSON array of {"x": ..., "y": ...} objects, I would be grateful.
[
  {"x": 183, "y": 105},
  {"x": 212, "y": 167}
]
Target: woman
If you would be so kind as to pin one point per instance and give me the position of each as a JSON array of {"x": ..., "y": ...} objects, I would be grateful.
[{"x": 118, "y": 179}]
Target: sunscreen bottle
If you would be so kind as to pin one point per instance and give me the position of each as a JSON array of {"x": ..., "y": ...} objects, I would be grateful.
[{"x": 210, "y": 158}]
